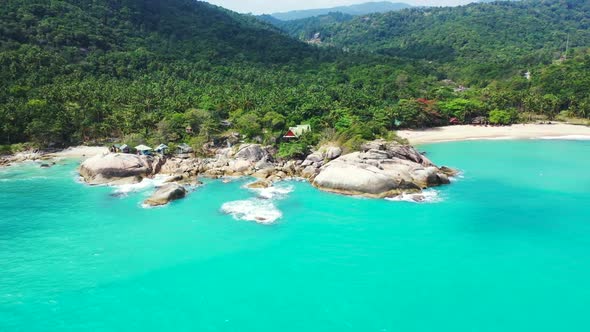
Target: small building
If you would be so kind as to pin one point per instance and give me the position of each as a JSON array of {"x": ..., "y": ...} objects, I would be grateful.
[
  {"x": 118, "y": 148},
  {"x": 527, "y": 75},
  {"x": 124, "y": 148},
  {"x": 162, "y": 149},
  {"x": 297, "y": 131},
  {"x": 143, "y": 150},
  {"x": 184, "y": 149},
  {"x": 189, "y": 129}
]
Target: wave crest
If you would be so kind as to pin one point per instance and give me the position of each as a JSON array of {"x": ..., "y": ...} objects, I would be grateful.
[
  {"x": 427, "y": 196},
  {"x": 257, "y": 210}
]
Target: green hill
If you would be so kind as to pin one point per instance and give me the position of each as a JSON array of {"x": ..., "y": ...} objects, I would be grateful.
[
  {"x": 358, "y": 9},
  {"x": 79, "y": 70},
  {"x": 483, "y": 41},
  {"x": 142, "y": 71}
]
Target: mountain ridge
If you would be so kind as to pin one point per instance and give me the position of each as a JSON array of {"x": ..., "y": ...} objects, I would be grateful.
[{"x": 355, "y": 10}]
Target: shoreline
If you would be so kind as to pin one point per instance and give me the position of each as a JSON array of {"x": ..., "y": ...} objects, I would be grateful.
[
  {"x": 76, "y": 152},
  {"x": 558, "y": 131},
  {"x": 514, "y": 132}
]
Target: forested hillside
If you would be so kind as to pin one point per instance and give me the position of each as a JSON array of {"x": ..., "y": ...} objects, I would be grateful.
[
  {"x": 80, "y": 70},
  {"x": 481, "y": 42},
  {"x": 353, "y": 10},
  {"x": 142, "y": 71}
]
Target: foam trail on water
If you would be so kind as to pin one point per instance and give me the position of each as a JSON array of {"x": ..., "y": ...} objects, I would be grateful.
[
  {"x": 257, "y": 210},
  {"x": 279, "y": 191},
  {"x": 427, "y": 196},
  {"x": 126, "y": 189}
]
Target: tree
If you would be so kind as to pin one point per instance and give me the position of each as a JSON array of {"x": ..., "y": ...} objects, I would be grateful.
[
  {"x": 249, "y": 124},
  {"x": 500, "y": 117}
]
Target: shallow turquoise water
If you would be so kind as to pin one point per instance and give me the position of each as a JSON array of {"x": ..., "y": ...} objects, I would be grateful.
[{"x": 506, "y": 249}]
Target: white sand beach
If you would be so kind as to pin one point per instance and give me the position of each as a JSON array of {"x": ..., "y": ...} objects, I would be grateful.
[
  {"x": 519, "y": 131},
  {"x": 80, "y": 152}
]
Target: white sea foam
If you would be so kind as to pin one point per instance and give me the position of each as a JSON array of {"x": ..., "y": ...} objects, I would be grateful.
[
  {"x": 29, "y": 178},
  {"x": 427, "y": 196},
  {"x": 278, "y": 191},
  {"x": 126, "y": 189},
  {"x": 457, "y": 177},
  {"x": 257, "y": 210},
  {"x": 568, "y": 137},
  {"x": 499, "y": 138}
]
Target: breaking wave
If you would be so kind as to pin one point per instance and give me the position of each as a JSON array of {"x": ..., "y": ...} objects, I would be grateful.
[
  {"x": 126, "y": 189},
  {"x": 262, "y": 208},
  {"x": 427, "y": 196},
  {"x": 257, "y": 210},
  {"x": 278, "y": 191}
]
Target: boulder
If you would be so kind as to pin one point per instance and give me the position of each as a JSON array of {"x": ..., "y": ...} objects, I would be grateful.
[
  {"x": 165, "y": 194},
  {"x": 259, "y": 184},
  {"x": 354, "y": 179},
  {"x": 332, "y": 152},
  {"x": 239, "y": 165},
  {"x": 263, "y": 164},
  {"x": 380, "y": 169},
  {"x": 315, "y": 157},
  {"x": 104, "y": 169},
  {"x": 264, "y": 173},
  {"x": 175, "y": 178},
  {"x": 251, "y": 152},
  {"x": 310, "y": 172},
  {"x": 126, "y": 181},
  {"x": 184, "y": 179}
]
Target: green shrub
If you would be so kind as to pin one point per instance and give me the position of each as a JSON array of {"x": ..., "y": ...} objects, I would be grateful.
[
  {"x": 500, "y": 117},
  {"x": 293, "y": 150}
]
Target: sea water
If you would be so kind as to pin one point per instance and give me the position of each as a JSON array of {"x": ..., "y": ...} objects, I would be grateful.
[{"x": 506, "y": 247}]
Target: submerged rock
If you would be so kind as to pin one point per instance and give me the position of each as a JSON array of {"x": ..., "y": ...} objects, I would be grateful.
[
  {"x": 260, "y": 184},
  {"x": 165, "y": 194}
]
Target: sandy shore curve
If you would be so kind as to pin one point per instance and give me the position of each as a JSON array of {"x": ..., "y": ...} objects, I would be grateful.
[
  {"x": 518, "y": 131},
  {"x": 80, "y": 152}
]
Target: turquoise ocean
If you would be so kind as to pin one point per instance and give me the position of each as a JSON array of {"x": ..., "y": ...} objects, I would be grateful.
[{"x": 506, "y": 247}]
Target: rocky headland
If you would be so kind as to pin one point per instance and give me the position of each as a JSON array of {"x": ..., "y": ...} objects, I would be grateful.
[{"x": 380, "y": 169}]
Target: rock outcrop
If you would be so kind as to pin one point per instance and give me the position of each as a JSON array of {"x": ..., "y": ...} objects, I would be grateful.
[
  {"x": 166, "y": 194},
  {"x": 245, "y": 160},
  {"x": 118, "y": 168},
  {"x": 380, "y": 169}
]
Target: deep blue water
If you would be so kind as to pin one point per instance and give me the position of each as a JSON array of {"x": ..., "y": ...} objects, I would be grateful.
[{"x": 506, "y": 247}]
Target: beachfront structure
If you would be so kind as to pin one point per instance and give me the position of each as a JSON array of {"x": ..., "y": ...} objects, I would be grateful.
[
  {"x": 143, "y": 150},
  {"x": 162, "y": 149},
  {"x": 118, "y": 148},
  {"x": 184, "y": 151},
  {"x": 297, "y": 131}
]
